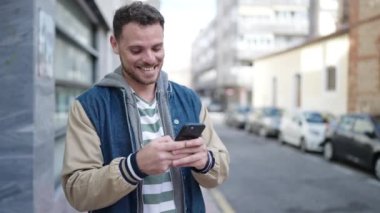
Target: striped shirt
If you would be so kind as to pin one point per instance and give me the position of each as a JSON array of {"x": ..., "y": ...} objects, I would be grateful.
[{"x": 158, "y": 194}]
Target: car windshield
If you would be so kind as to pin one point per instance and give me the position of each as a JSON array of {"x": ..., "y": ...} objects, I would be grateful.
[
  {"x": 272, "y": 112},
  {"x": 313, "y": 117},
  {"x": 243, "y": 109}
]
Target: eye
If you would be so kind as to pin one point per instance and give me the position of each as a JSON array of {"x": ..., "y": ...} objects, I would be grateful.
[
  {"x": 135, "y": 50},
  {"x": 157, "y": 48}
]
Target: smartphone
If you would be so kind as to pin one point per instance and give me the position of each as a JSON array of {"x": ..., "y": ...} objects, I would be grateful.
[{"x": 190, "y": 131}]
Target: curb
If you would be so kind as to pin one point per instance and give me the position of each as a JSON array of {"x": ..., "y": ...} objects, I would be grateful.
[{"x": 216, "y": 202}]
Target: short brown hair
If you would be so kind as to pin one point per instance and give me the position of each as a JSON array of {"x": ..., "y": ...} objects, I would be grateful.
[{"x": 139, "y": 12}]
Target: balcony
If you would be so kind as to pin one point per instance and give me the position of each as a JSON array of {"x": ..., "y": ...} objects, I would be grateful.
[
  {"x": 206, "y": 79},
  {"x": 301, "y": 3},
  {"x": 282, "y": 28}
]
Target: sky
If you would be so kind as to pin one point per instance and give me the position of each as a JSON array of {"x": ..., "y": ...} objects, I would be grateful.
[{"x": 183, "y": 21}]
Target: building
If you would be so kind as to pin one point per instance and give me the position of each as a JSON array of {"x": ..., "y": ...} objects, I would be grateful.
[
  {"x": 364, "y": 69},
  {"x": 338, "y": 73},
  {"x": 245, "y": 29},
  {"x": 203, "y": 61},
  {"x": 51, "y": 51},
  {"x": 311, "y": 76},
  {"x": 325, "y": 17}
]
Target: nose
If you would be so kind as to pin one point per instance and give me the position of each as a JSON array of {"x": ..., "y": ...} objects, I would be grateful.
[{"x": 149, "y": 57}]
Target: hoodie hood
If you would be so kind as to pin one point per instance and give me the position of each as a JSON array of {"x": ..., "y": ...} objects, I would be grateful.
[{"x": 116, "y": 79}]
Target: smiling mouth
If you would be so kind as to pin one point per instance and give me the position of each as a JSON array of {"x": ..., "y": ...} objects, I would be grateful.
[{"x": 147, "y": 69}]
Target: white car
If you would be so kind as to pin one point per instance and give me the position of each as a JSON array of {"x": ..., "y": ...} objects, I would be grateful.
[{"x": 304, "y": 129}]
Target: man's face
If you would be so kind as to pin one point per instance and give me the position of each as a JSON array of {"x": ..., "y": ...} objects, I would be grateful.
[{"x": 141, "y": 52}]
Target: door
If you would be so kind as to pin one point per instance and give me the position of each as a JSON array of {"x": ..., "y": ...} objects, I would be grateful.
[
  {"x": 297, "y": 90},
  {"x": 362, "y": 143},
  {"x": 274, "y": 91},
  {"x": 343, "y": 135},
  {"x": 295, "y": 130}
]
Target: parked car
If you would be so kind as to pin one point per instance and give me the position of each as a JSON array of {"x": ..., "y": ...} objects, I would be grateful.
[
  {"x": 215, "y": 106},
  {"x": 357, "y": 139},
  {"x": 304, "y": 129},
  {"x": 236, "y": 116},
  {"x": 331, "y": 124},
  {"x": 264, "y": 121}
]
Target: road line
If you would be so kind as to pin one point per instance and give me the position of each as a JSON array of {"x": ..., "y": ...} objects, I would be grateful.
[{"x": 221, "y": 201}]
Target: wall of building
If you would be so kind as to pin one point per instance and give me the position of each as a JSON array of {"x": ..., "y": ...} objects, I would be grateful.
[
  {"x": 282, "y": 67},
  {"x": 42, "y": 61},
  {"x": 364, "y": 75},
  {"x": 27, "y": 97},
  {"x": 248, "y": 29},
  {"x": 309, "y": 61}
]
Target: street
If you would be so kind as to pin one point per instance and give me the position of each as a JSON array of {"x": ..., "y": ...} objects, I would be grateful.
[{"x": 266, "y": 177}]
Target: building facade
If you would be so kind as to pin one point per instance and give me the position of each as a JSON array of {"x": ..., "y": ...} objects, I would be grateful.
[
  {"x": 245, "y": 29},
  {"x": 326, "y": 17},
  {"x": 338, "y": 73},
  {"x": 364, "y": 70},
  {"x": 312, "y": 76},
  {"x": 52, "y": 50},
  {"x": 203, "y": 61}
]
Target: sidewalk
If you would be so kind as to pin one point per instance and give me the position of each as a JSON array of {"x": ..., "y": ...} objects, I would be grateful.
[
  {"x": 210, "y": 202},
  {"x": 215, "y": 201}
]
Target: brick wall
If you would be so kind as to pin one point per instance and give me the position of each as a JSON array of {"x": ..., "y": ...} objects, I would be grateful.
[{"x": 364, "y": 70}]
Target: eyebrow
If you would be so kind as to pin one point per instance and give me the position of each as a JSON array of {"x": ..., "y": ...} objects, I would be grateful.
[{"x": 139, "y": 46}]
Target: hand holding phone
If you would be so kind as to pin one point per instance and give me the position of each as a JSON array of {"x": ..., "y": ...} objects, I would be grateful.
[
  {"x": 190, "y": 131},
  {"x": 195, "y": 153}
]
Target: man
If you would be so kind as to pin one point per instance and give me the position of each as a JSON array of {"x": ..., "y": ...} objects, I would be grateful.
[{"x": 120, "y": 155}]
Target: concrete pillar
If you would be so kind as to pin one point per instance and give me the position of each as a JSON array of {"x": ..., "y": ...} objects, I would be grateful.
[{"x": 26, "y": 107}]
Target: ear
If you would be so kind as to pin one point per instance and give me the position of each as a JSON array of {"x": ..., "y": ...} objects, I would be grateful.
[{"x": 114, "y": 44}]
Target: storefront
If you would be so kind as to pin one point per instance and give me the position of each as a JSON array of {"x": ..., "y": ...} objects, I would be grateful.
[{"x": 51, "y": 51}]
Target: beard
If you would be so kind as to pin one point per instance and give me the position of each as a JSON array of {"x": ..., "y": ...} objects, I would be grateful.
[{"x": 138, "y": 79}]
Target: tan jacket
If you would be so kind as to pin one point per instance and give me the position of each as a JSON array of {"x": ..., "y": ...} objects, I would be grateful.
[{"x": 88, "y": 184}]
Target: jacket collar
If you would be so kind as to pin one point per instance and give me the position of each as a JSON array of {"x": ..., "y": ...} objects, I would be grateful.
[{"x": 116, "y": 79}]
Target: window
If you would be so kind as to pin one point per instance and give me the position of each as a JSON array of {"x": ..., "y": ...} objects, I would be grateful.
[
  {"x": 331, "y": 78},
  {"x": 71, "y": 62},
  {"x": 68, "y": 11},
  {"x": 312, "y": 117},
  {"x": 64, "y": 97},
  {"x": 272, "y": 112},
  {"x": 298, "y": 89},
  {"x": 58, "y": 157},
  {"x": 362, "y": 126},
  {"x": 346, "y": 123},
  {"x": 74, "y": 67},
  {"x": 274, "y": 91}
]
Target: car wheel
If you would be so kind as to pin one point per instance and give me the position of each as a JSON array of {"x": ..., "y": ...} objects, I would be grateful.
[
  {"x": 377, "y": 168},
  {"x": 263, "y": 132},
  {"x": 303, "y": 147},
  {"x": 328, "y": 151},
  {"x": 247, "y": 128}
]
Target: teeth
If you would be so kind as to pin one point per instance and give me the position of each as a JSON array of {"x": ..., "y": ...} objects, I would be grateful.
[{"x": 147, "y": 68}]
